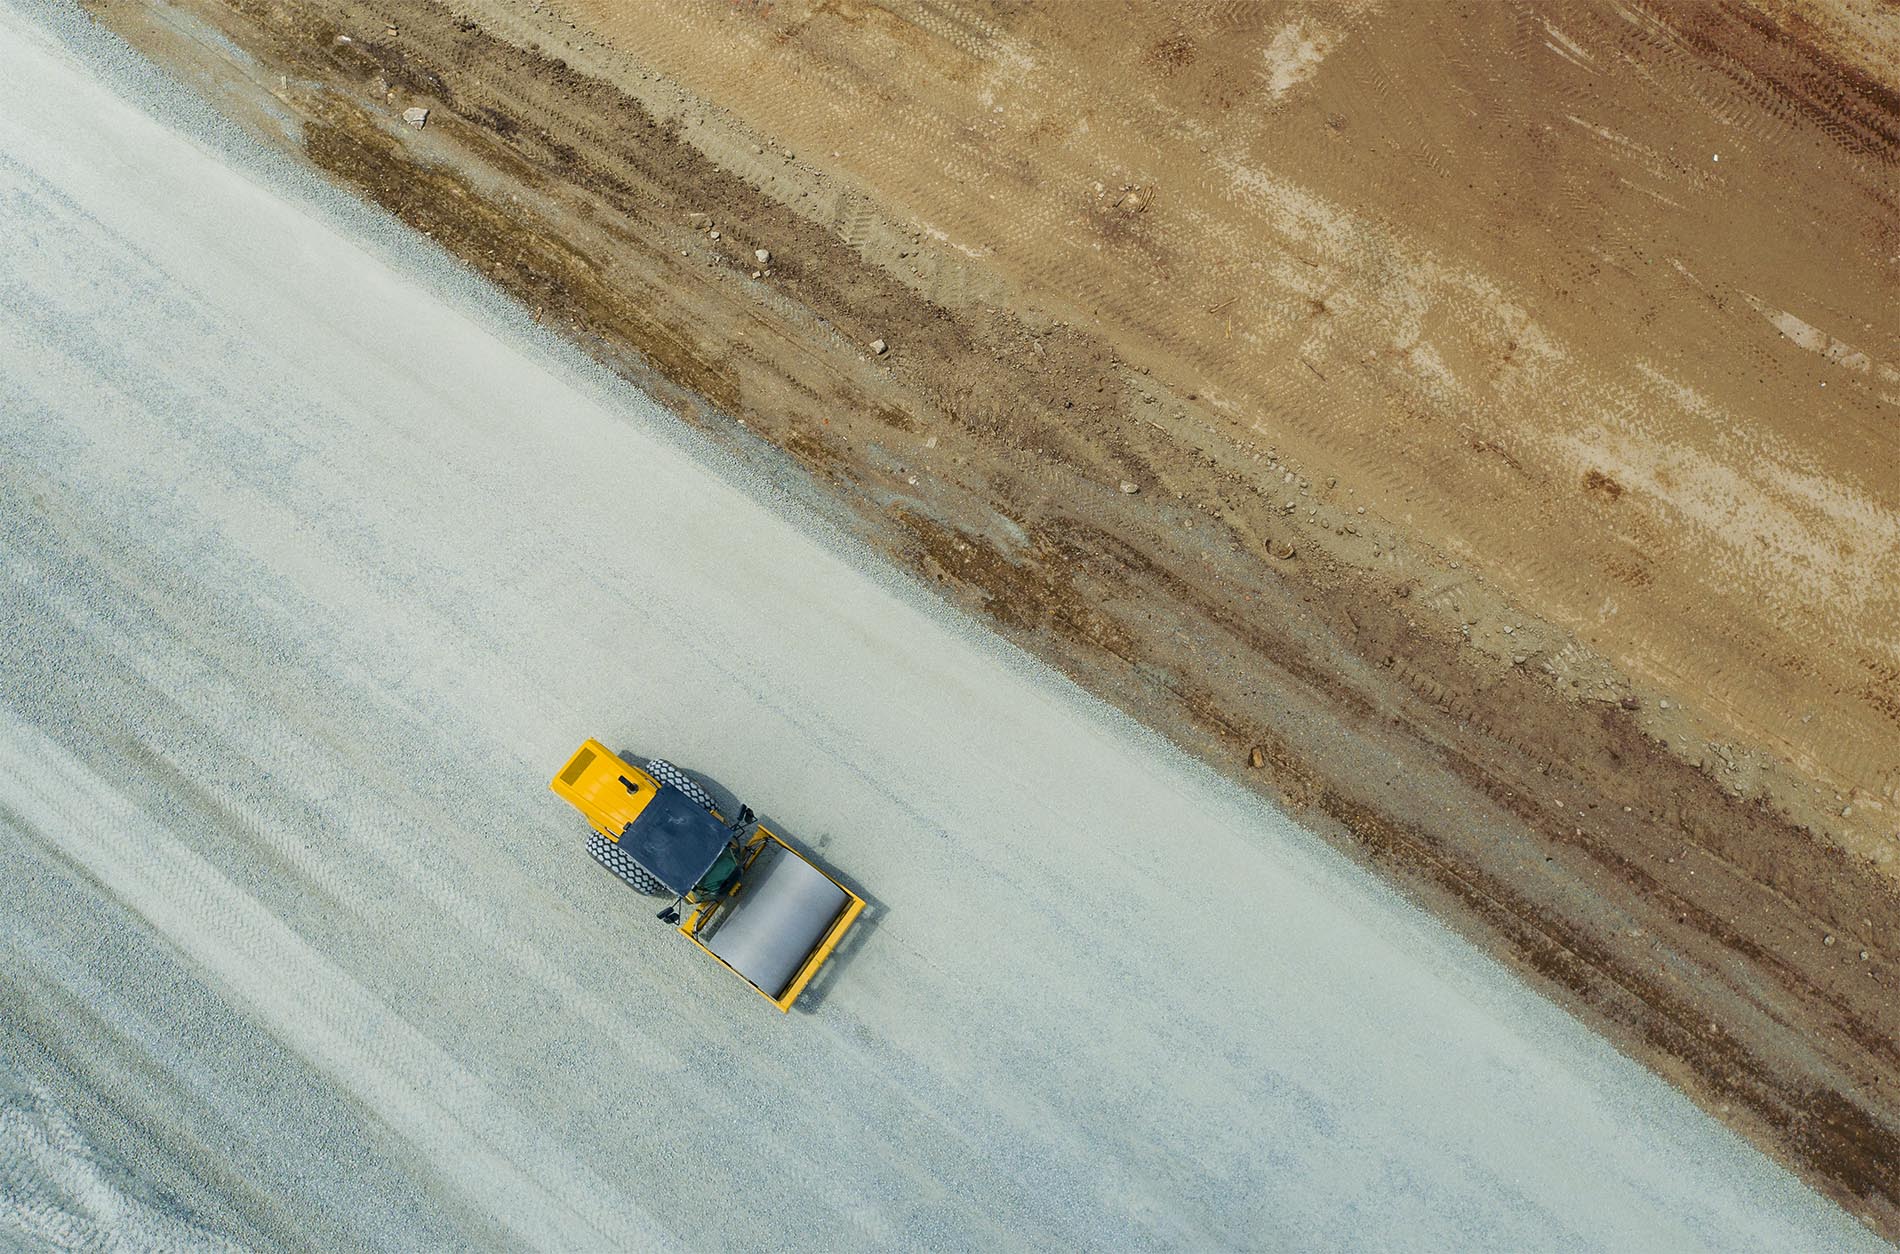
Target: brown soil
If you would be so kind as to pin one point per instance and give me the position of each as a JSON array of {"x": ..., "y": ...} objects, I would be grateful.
[{"x": 1487, "y": 479}]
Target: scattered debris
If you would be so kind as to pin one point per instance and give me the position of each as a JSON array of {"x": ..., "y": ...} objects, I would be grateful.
[
  {"x": 879, "y": 347},
  {"x": 415, "y": 115}
]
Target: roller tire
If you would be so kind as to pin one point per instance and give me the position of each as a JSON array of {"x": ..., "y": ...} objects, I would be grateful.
[
  {"x": 624, "y": 868},
  {"x": 666, "y": 773}
]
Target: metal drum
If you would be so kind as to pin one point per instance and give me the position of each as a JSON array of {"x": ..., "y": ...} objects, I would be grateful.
[{"x": 782, "y": 911}]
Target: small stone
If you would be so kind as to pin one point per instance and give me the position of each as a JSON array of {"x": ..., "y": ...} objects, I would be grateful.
[
  {"x": 1509, "y": 630},
  {"x": 1256, "y": 757},
  {"x": 879, "y": 347},
  {"x": 1662, "y": 705},
  {"x": 1284, "y": 550},
  {"x": 762, "y": 255},
  {"x": 1827, "y": 940},
  {"x": 1863, "y": 955},
  {"x": 757, "y": 151},
  {"x": 1130, "y": 487},
  {"x": 1518, "y": 659},
  {"x": 712, "y": 235},
  {"x": 1631, "y": 703},
  {"x": 1846, "y": 810},
  {"x": 344, "y": 39},
  {"x": 415, "y": 116},
  {"x": 756, "y": 274}
]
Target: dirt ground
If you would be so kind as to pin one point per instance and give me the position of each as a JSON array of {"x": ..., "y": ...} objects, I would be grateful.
[{"x": 1479, "y": 432}]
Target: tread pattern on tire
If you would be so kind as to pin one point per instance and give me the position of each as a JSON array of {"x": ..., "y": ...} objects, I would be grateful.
[
  {"x": 667, "y": 773},
  {"x": 624, "y": 868}
]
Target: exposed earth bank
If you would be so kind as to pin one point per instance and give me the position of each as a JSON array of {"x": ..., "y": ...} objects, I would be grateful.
[{"x": 1481, "y": 439}]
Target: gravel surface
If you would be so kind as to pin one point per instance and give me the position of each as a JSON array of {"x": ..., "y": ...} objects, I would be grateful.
[{"x": 315, "y": 562}]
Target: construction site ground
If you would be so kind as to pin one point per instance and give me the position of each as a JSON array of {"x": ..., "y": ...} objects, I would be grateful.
[{"x": 1477, "y": 433}]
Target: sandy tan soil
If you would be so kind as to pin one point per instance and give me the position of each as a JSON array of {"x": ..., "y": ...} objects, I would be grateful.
[
  {"x": 1510, "y": 403},
  {"x": 1493, "y": 274}
]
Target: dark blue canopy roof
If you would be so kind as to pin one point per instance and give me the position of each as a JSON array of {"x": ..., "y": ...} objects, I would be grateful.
[{"x": 675, "y": 839}]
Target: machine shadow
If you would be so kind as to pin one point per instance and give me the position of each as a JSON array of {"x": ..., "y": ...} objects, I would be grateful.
[{"x": 727, "y": 803}]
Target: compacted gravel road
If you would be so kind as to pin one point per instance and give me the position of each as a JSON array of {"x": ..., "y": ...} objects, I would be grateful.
[{"x": 316, "y": 560}]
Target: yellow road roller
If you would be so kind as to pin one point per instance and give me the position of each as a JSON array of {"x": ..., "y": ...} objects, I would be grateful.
[{"x": 752, "y": 901}]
